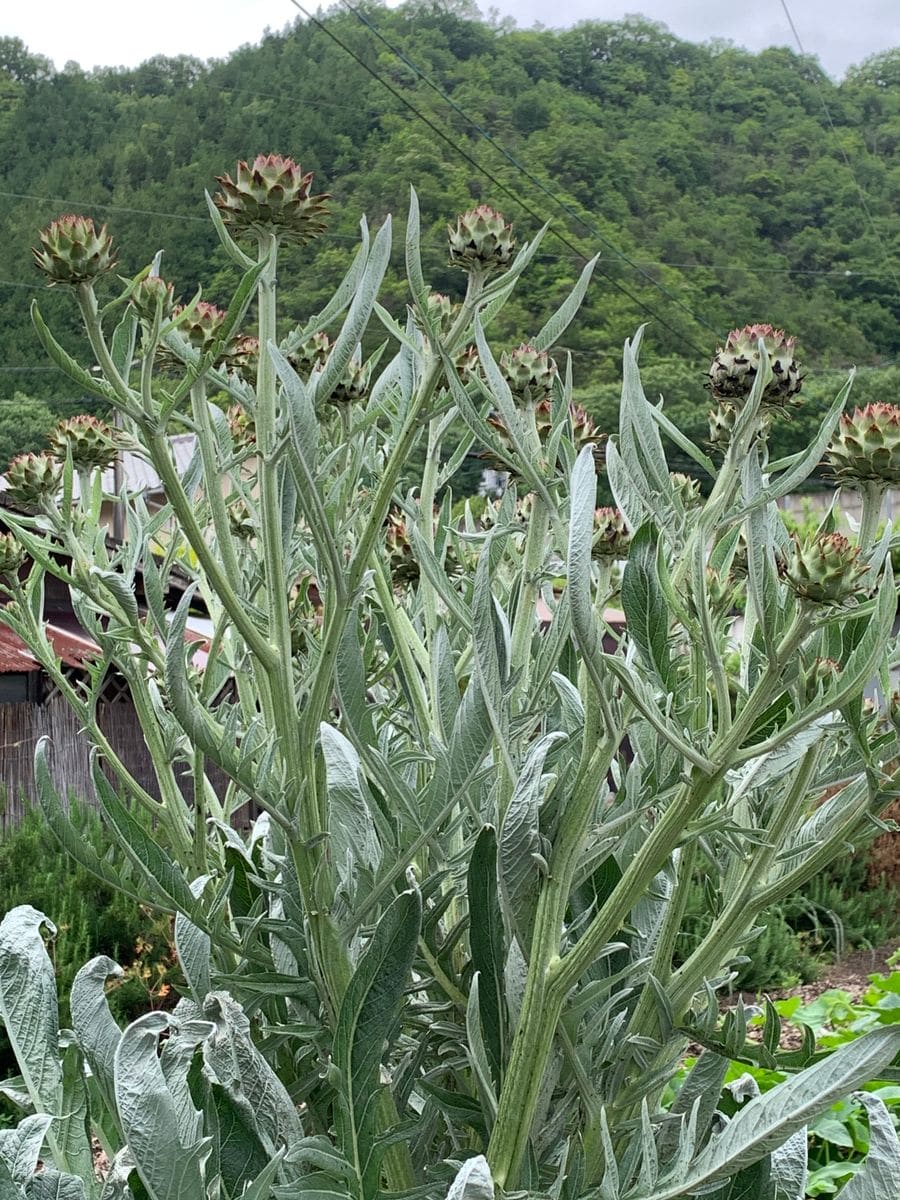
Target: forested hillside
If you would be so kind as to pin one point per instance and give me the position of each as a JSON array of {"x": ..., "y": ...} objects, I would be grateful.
[{"x": 712, "y": 180}]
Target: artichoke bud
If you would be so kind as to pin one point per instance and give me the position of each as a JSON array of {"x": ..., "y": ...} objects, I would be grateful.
[
  {"x": 311, "y": 354},
  {"x": 353, "y": 385},
  {"x": 737, "y": 363},
  {"x": 467, "y": 364},
  {"x": 72, "y": 251},
  {"x": 12, "y": 555},
  {"x": 481, "y": 240},
  {"x": 32, "y": 478},
  {"x": 440, "y": 309},
  {"x": 242, "y": 357},
  {"x": 240, "y": 520},
  {"x": 866, "y": 446},
  {"x": 403, "y": 567},
  {"x": 91, "y": 441},
  {"x": 271, "y": 195},
  {"x": 722, "y": 421},
  {"x": 820, "y": 677},
  {"x": 530, "y": 373},
  {"x": 687, "y": 489},
  {"x": 200, "y": 327},
  {"x": 153, "y": 295},
  {"x": 611, "y": 538},
  {"x": 241, "y": 426},
  {"x": 826, "y": 570}
]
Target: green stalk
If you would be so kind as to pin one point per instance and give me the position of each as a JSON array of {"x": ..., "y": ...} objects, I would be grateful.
[
  {"x": 211, "y": 477},
  {"x": 872, "y": 497},
  {"x": 663, "y": 839},
  {"x": 746, "y": 901},
  {"x": 323, "y": 684},
  {"x": 533, "y": 557},
  {"x": 543, "y": 999}
]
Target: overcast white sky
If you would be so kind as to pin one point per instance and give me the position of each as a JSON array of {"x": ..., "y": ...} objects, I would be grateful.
[{"x": 109, "y": 32}]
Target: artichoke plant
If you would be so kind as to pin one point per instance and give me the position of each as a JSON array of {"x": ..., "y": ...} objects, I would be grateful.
[{"x": 445, "y": 958}]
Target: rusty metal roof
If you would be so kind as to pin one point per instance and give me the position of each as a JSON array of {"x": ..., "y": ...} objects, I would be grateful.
[{"x": 15, "y": 657}]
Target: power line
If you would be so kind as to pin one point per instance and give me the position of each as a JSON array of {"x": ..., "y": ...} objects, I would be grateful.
[
  {"x": 864, "y": 204},
  {"x": 523, "y": 170},
  {"x": 846, "y": 272},
  {"x": 483, "y": 170}
]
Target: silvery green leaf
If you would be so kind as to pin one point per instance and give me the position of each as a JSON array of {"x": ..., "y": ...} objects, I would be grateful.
[
  {"x": 238, "y": 1153},
  {"x": 193, "y": 948},
  {"x": 176, "y": 1058},
  {"x": 53, "y": 1185},
  {"x": 473, "y": 1181},
  {"x": 487, "y": 941},
  {"x": 115, "y": 1185},
  {"x": 96, "y": 1031},
  {"x": 625, "y": 493},
  {"x": 769, "y": 1120},
  {"x": 353, "y": 838},
  {"x": 788, "y": 1167},
  {"x": 477, "y": 1053},
  {"x": 520, "y": 844},
  {"x": 236, "y": 1063},
  {"x": 645, "y": 607},
  {"x": 169, "y": 1168},
  {"x": 162, "y": 872},
  {"x": 582, "y": 502},
  {"x": 28, "y": 1005},
  {"x": 20, "y": 1148},
  {"x": 357, "y": 317},
  {"x": 879, "y": 1176},
  {"x": 564, "y": 315},
  {"x": 72, "y": 1128},
  {"x": 366, "y": 1019}
]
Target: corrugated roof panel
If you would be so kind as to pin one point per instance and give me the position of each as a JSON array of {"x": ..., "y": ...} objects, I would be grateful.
[{"x": 73, "y": 648}]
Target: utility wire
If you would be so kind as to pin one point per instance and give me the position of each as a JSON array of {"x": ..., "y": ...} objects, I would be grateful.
[
  {"x": 523, "y": 170},
  {"x": 716, "y": 268},
  {"x": 487, "y": 174},
  {"x": 864, "y": 204}
]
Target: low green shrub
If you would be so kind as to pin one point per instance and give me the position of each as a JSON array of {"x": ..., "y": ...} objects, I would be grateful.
[{"x": 91, "y": 918}]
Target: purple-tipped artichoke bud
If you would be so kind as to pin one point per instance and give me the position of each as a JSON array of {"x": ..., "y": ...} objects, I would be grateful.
[
  {"x": 72, "y": 251},
  {"x": 12, "y": 555},
  {"x": 152, "y": 296},
  {"x": 200, "y": 326},
  {"x": 481, "y": 240},
  {"x": 32, "y": 478},
  {"x": 271, "y": 195},
  {"x": 530, "y": 373},
  {"x": 737, "y": 364},
  {"x": 611, "y": 538},
  {"x": 826, "y": 570},
  {"x": 866, "y": 446},
  {"x": 92, "y": 442}
]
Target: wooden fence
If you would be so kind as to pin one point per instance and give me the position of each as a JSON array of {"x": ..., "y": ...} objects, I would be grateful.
[{"x": 22, "y": 725}]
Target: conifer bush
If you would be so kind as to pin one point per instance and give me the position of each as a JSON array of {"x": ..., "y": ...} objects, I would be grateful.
[{"x": 488, "y": 759}]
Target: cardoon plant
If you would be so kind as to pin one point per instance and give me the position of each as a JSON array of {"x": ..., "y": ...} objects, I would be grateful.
[{"x": 447, "y": 952}]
